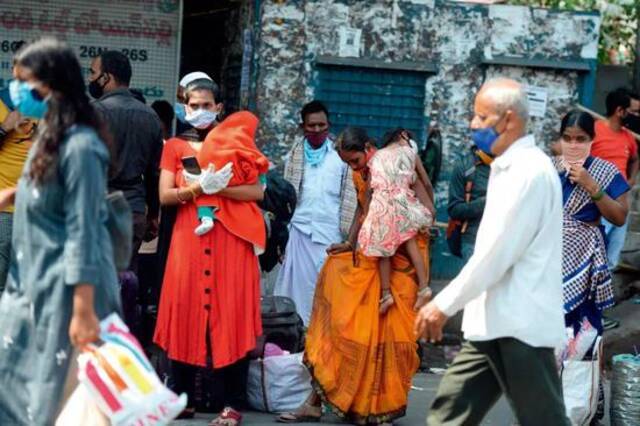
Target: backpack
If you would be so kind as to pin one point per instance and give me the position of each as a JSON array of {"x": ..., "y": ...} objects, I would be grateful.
[
  {"x": 278, "y": 204},
  {"x": 281, "y": 323},
  {"x": 277, "y": 238},
  {"x": 279, "y": 197},
  {"x": 455, "y": 227},
  {"x": 431, "y": 156}
]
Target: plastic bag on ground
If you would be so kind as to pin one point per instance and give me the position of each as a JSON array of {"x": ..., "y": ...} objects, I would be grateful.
[
  {"x": 122, "y": 382},
  {"x": 278, "y": 383}
]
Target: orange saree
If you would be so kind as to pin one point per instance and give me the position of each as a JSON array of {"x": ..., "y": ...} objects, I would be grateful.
[{"x": 362, "y": 363}]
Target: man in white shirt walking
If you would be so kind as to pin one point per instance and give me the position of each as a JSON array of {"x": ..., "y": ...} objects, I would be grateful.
[{"x": 511, "y": 288}]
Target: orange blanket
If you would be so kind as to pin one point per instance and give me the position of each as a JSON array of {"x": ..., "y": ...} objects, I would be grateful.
[{"x": 233, "y": 141}]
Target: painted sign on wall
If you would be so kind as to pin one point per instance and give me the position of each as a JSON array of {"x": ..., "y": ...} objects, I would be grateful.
[{"x": 146, "y": 31}]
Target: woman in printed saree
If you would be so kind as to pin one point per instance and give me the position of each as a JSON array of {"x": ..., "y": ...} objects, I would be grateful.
[
  {"x": 592, "y": 188},
  {"x": 361, "y": 362}
]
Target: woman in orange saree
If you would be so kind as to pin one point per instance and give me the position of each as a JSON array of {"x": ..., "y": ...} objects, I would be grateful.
[{"x": 361, "y": 363}]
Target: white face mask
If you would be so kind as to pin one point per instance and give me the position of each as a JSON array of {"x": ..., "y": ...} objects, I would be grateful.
[{"x": 201, "y": 118}]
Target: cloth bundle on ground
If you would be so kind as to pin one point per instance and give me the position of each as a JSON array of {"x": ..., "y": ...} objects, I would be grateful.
[
  {"x": 625, "y": 390},
  {"x": 278, "y": 383},
  {"x": 233, "y": 141}
]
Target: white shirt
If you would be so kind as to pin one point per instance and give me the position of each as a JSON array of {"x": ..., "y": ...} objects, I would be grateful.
[
  {"x": 318, "y": 211},
  {"x": 512, "y": 285}
]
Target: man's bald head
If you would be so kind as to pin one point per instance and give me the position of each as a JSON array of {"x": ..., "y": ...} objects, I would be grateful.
[{"x": 505, "y": 94}]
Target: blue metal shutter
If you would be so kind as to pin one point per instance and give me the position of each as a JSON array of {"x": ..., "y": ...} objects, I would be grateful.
[{"x": 375, "y": 99}]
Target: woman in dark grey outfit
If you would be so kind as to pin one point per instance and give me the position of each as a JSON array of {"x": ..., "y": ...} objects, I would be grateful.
[{"x": 62, "y": 279}]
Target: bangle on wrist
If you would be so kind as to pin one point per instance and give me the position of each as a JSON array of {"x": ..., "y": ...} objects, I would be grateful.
[
  {"x": 3, "y": 132},
  {"x": 598, "y": 195},
  {"x": 180, "y": 200},
  {"x": 425, "y": 292},
  {"x": 193, "y": 193}
]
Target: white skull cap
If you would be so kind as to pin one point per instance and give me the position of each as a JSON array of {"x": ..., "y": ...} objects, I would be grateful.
[{"x": 193, "y": 76}]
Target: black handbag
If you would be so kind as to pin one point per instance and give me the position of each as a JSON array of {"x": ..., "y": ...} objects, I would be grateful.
[{"x": 120, "y": 226}]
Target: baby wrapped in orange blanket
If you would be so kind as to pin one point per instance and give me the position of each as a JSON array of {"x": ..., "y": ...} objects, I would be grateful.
[{"x": 233, "y": 141}]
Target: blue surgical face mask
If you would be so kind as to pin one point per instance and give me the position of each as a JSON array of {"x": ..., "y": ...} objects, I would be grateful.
[
  {"x": 485, "y": 138},
  {"x": 180, "y": 112},
  {"x": 27, "y": 100}
]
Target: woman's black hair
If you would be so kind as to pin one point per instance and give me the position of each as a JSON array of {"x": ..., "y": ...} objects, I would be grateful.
[
  {"x": 203, "y": 84},
  {"x": 165, "y": 111},
  {"x": 581, "y": 119},
  {"x": 395, "y": 134},
  {"x": 354, "y": 139},
  {"x": 56, "y": 65}
]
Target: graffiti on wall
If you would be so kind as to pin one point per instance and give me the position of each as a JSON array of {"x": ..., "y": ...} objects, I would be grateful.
[{"x": 457, "y": 38}]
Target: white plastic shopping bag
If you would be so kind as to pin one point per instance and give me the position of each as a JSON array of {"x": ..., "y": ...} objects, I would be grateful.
[
  {"x": 121, "y": 381},
  {"x": 278, "y": 383},
  {"x": 80, "y": 410},
  {"x": 580, "y": 382}
]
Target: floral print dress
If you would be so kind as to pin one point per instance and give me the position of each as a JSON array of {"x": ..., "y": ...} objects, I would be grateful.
[{"x": 395, "y": 215}]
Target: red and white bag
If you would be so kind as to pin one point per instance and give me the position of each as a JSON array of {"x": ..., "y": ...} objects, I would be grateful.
[{"x": 122, "y": 382}]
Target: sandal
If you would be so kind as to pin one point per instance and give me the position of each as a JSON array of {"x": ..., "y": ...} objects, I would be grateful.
[
  {"x": 609, "y": 323},
  {"x": 307, "y": 413},
  {"x": 228, "y": 417},
  {"x": 386, "y": 301},
  {"x": 187, "y": 413}
]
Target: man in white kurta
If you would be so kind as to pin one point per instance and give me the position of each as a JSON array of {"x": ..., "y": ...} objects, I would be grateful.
[
  {"x": 511, "y": 288},
  {"x": 325, "y": 209}
]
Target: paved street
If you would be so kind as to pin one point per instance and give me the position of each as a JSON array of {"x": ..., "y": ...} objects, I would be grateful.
[{"x": 425, "y": 386}]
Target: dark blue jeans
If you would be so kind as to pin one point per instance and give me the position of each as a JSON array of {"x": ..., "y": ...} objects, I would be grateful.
[{"x": 6, "y": 224}]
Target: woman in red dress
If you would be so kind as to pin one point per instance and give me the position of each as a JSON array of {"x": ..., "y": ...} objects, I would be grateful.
[{"x": 209, "y": 313}]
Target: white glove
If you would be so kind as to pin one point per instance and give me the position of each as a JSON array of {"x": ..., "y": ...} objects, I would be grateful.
[
  {"x": 190, "y": 178},
  {"x": 212, "y": 182}
]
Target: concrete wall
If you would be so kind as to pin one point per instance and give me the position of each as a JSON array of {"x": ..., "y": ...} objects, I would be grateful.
[
  {"x": 456, "y": 37},
  {"x": 609, "y": 78}
]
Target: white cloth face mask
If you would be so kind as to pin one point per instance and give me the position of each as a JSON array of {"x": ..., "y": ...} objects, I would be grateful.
[{"x": 201, "y": 118}]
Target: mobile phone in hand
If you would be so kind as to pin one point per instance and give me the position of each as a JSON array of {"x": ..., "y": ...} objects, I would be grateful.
[{"x": 191, "y": 165}]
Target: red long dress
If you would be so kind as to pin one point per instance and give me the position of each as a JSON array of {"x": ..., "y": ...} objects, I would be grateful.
[{"x": 211, "y": 282}]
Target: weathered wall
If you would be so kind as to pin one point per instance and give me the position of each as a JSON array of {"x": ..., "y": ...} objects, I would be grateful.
[{"x": 455, "y": 37}]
